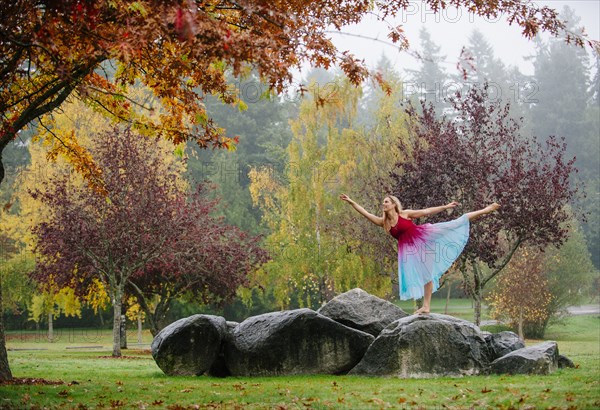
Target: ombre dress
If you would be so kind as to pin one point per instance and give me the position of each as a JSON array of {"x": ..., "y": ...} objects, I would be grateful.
[{"x": 426, "y": 252}]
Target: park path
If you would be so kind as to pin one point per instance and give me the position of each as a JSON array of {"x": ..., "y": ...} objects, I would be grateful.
[
  {"x": 573, "y": 310},
  {"x": 584, "y": 310}
]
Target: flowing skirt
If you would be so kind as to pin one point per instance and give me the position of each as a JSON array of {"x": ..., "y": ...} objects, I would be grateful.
[{"x": 427, "y": 253}]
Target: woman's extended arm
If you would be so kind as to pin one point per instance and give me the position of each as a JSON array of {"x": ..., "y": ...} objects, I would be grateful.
[
  {"x": 429, "y": 211},
  {"x": 377, "y": 220}
]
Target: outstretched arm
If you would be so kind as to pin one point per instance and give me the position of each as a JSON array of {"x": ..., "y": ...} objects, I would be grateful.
[
  {"x": 429, "y": 211},
  {"x": 377, "y": 220}
]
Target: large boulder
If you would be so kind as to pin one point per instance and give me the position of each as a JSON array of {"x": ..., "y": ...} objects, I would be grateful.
[
  {"x": 189, "y": 346},
  {"x": 426, "y": 346},
  {"x": 294, "y": 342},
  {"x": 360, "y": 310},
  {"x": 538, "y": 359},
  {"x": 564, "y": 361},
  {"x": 503, "y": 343}
]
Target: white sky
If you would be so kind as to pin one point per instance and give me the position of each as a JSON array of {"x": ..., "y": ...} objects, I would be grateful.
[{"x": 451, "y": 31}]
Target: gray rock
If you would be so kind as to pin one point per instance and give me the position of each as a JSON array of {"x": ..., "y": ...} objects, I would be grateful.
[
  {"x": 503, "y": 343},
  {"x": 360, "y": 310},
  {"x": 294, "y": 342},
  {"x": 564, "y": 361},
  {"x": 538, "y": 359},
  {"x": 189, "y": 346},
  {"x": 219, "y": 366},
  {"x": 426, "y": 346},
  {"x": 231, "y": 325}
]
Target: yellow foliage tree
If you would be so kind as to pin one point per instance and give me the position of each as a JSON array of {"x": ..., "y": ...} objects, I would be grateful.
[
  {"x": 314, "y": 251},
  {"x": 521, "y": 294},
  {"x": 135, "y": 313},
  {"x": 52, "y": 302}
]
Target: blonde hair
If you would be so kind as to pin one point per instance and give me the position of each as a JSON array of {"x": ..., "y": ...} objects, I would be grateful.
[{"x": 397, "y": 205}]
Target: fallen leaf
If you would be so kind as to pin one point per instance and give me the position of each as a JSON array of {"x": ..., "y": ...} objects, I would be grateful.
[
  {"x": 116, "y": 403},
  {"x": 486, "y": 390},
  {"x": 376, "y": 400},
  {"x": 238, "y": 387}
]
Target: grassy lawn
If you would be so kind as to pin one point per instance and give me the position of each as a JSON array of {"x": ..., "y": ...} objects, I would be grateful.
[
  {"x": 91, "y": 379},
  {"x": 461, "y": 308}
]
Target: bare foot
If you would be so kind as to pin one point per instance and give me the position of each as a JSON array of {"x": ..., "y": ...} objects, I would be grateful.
[
  {"x": 422, "y": 310},
  {"x": 493, "y": 207}
]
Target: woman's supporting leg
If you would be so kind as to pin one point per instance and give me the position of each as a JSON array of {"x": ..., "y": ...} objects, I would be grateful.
[
  {"x": 428, "y": 288},
  {"x": 488, "y": 209}
]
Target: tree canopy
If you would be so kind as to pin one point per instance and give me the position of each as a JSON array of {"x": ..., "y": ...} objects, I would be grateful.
[
  {"x": 479, "y": 157},
  {"x": 52, "y": 50}
]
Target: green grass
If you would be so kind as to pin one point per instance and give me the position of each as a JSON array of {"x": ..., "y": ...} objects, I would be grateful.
[
  {"x": 461, "y": 308},
  {"x": 91, "y": 380}
]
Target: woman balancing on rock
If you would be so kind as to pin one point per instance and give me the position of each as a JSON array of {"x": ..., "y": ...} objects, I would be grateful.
[{"x": 425, "y": 252}]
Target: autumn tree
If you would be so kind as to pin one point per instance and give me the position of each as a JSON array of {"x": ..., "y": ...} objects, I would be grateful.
[
  {"x": 142, "y": 222},
  {"x": 521, "y": 294},
  {"x": 539, "y": 286},
  {"x": 207, "y": 263},
  {"x": 570, "y": 273},
  {"x": 318, "y": 247},
  {"x": 180, "y": 49},
  {"x": 50, "y": 301},
  {"x": 480, "y": 157}
]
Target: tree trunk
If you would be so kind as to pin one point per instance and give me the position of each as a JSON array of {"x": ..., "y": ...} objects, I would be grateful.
[
  {"x": 448, "y": 297},
  {"x": 521, "y": 324},
  {"x": 5, "y": 373},
  {"x": 117, "y": 302},
  {"x": 476, "y": 293},
  {"x": 123, "y": 332},
  {"x": 395, "y": 284},
  {"x": 477, "y": 306},
  {"x": 139, "y": 320},
  {"x": 50, "y": 328}
]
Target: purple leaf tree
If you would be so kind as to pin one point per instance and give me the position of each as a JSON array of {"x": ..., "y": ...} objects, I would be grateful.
[
  {"x": 141, "y": 235},
  {"x": 478, "y": 156}
]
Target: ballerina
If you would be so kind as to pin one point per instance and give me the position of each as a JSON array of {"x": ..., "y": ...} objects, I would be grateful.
[{"x": 425, "y": 252}]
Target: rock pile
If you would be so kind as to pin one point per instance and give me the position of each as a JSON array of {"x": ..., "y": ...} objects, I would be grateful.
[{"x": 354, "y": 333}]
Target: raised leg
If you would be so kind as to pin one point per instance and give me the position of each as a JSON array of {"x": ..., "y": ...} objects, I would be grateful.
[{"x": 477, "y": 214}]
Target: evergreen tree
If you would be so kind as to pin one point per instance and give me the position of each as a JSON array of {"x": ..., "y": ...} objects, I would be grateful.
[
  {"x": 263, "y": 133},
  {"x": 430, "y": 81},
  {"x": 480, "y": 65},
  {"x": 566, "y": 108}
]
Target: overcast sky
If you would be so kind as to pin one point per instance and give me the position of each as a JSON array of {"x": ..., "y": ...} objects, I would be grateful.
[{"x": 451, "y": 31}]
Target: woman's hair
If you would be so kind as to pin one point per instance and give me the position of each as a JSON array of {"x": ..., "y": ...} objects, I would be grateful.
[{"x": 386, "y": 224}]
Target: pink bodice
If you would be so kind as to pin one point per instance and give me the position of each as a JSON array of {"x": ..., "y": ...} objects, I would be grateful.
[{"x": 404, "y": 230}]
